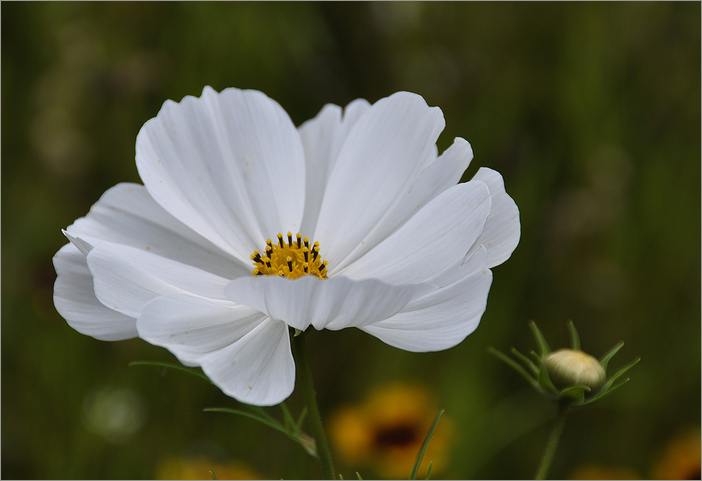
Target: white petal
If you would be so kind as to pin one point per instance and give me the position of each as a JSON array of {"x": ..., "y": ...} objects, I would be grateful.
[
  {"x": 333, "y": 303},
  {"x": 229, "y": 165},
  {"x": 125, "y": 279},
  {"x": 444, "y": 172},
  {"x": 126, "y": 214},
  {"x": 502, "y": 229},
  {"x": 74, "y": 298},
  {"x": 443, "y": 318},
  {"x": 191, "y": 327},
  {"x": 382, "y": 156},
  {"x": 463, "y": 267},
  {"x": 322, "y": 138},
  {"x": 258, "y": 368},
  {"x": 432, "y": 240},
  {"x": 80, "y": 244}
]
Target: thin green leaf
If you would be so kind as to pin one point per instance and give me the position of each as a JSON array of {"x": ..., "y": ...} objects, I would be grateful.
[
  {"x": 620, "y": 373},
  {"x": 544, "y": 379},
  {"x": 532, "y": 367},
  {"x": 287, "y": 417},
  {"x": 359, "y": 476},
  {"x": 576, "y": 393},
  {"x": 540, "y": 340},
  {"x": 574, "y": 337},
  {"x": 425, "y": 445},
  {"x": 271, "y": 423},
  {"x": 574, "y": 390},
  {"x": 431, "y": 464},
  {"x": 341, "y": 476},
  {"x": 510, "y": 362},
  {"x": 213, "y": 474},
  {"x": 172, "y": 366},
  {"x": 303, "y": 414},
  {"x": 259, "y": 410},
  {"x": 308, "y": 443},
  {"x": 605, "y": 360},
  {"x": 604, "y": 393}
]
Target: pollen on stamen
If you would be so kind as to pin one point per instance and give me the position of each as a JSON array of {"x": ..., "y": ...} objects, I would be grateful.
[{"x": 289, "y": 259}]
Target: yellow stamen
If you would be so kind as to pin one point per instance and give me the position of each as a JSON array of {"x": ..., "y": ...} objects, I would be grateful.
[{"x": 290, "y": 259}]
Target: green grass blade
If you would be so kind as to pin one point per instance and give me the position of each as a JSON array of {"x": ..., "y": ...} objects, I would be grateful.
[
  {"x": 425, "y": 445},
  {"x": 172, "y": 366},
  {"x": 431, "y": 465}
]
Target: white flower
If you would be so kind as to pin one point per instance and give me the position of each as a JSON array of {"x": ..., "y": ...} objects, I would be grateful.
[{"x": 407, "y": 250}]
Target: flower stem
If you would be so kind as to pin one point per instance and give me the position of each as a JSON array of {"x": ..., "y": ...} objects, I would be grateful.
[
  {"x": 326, "y": 466},
  {"x": 550, "y": 451}
]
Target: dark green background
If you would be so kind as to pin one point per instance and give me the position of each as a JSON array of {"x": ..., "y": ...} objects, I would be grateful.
[{"x": 591, "y": 112}]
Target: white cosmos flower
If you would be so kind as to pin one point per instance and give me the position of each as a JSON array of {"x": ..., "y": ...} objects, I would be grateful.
[{"x": 406, "y": 250}]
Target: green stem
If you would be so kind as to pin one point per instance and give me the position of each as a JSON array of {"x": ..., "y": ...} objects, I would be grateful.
[
  {"x": 323, "y": 453},
  {"x": 550, "y": 451}
]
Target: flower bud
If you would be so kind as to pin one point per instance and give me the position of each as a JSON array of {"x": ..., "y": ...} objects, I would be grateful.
[{"x": 568, "y": 367}]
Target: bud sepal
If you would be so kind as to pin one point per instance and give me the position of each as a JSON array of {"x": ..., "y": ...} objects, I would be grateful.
[{"x": 566, "y": 374}]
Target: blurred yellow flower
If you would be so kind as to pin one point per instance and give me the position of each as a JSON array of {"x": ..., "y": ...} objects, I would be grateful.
[
  {"x": 680, "y": 458},
  {"x": 199, "y": 467},
  {"x": 388, "y": 429}
]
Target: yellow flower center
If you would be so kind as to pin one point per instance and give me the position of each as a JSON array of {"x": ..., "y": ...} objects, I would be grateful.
[{"x": 294, "y": 258}]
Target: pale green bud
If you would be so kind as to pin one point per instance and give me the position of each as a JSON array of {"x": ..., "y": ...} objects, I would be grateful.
[
  {"x": 567, "y": 374},
  {"x": 570, "y": 367}
]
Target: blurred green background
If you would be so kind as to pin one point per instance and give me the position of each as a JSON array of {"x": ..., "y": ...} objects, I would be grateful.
[{"x": 591, "y": 112}]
